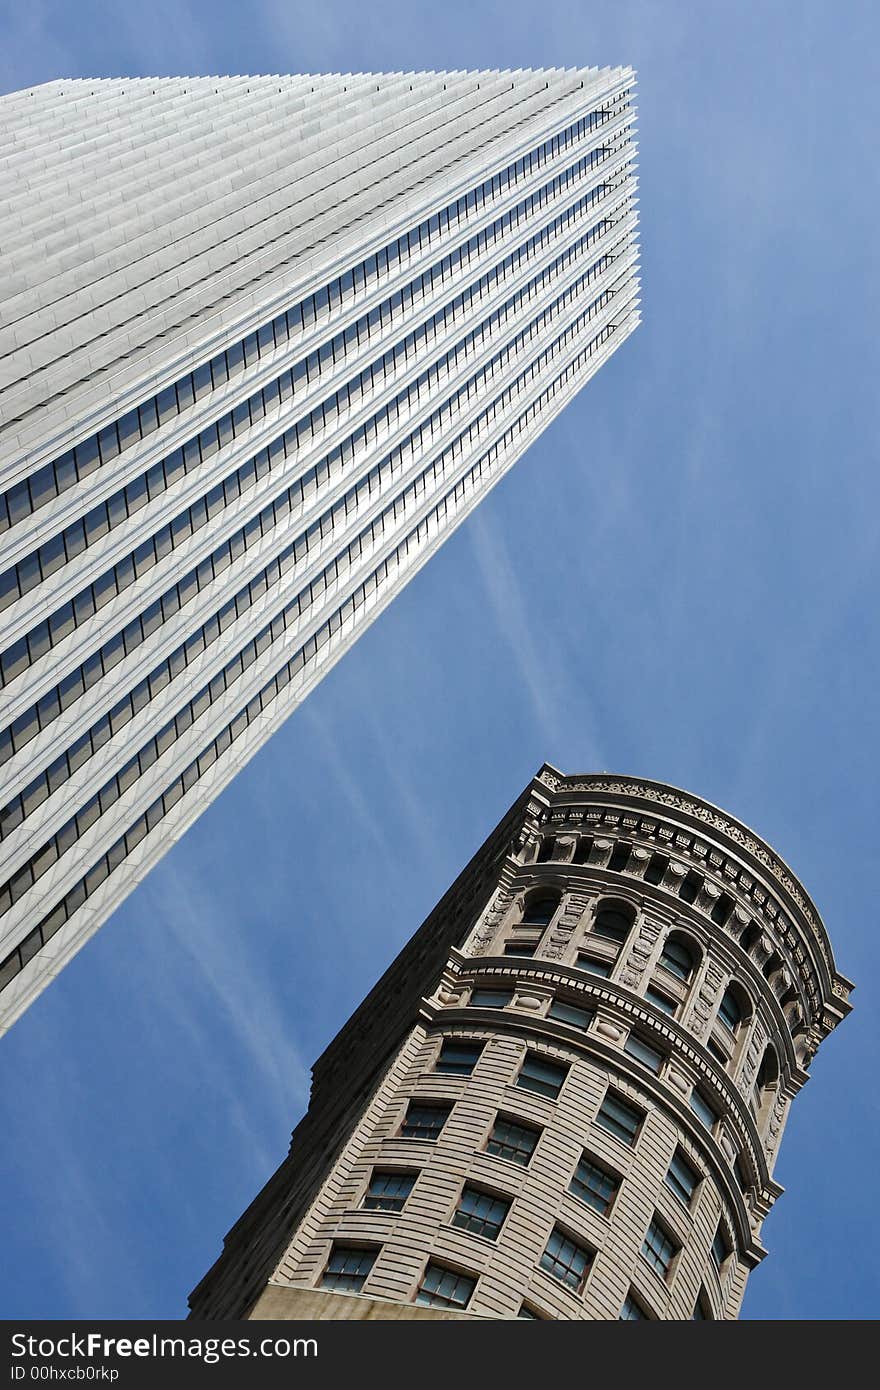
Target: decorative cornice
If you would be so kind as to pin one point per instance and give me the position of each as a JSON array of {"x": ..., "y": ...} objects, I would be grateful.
[{"x": 740, "y": 835}]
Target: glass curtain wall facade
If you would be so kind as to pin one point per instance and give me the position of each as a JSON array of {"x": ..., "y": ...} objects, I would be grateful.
[{"x": 268, "y": 341}]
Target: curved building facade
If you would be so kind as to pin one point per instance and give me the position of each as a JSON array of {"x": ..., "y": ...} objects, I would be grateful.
[{"x": 564, "y": 1099}]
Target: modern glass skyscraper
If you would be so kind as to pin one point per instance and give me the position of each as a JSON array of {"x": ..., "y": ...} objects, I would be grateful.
[{"x": 268, "y": 341}]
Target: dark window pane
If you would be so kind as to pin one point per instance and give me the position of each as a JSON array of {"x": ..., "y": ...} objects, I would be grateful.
[
  {"x": 570, "y": 1013},
  {"x": 459, "y": 1059},
  {"x": 681, "y": 1178},
  {"x": 388, "y": 1190},
  {"x": 594, "y": 1185},
  {"x": 481, "y": 1213},
  {"x": 619, "y": 1118},
  {"x": 348, "y": 1267},
  {"x": 512, "y": 1141},
  {"x": 490, "y": 998},
  {"x": 643, "y": 1052},
  {"x": 443, "y": 1288},
  {"x": 543, "y": 1077},
  {"x": 566, "y": 1259}
]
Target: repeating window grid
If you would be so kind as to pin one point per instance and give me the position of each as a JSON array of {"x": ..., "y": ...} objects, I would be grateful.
[
  {"x": 481, "y": 1213},
  {"x": 249, "y": 413},
  {"x": 619, "y": 1118},
  {"x": 348, "y": 1267},
  {"x": 52, "y": 922},
  {"x": 129, "y": 706},
  {"x": 101, "y": 449},
  {"x": 566, "y": 1260},
  {"x": 302, "y": 378},
  {"x": 445, "y": 1288},
  {"x": 681, "y": 1178},
  {"x": 512, "y": 1141},
  {"x": 175, "y": 598},
  {"x": 388, "y": 1190},
  {"x": 245, "y": 478},
  {"x": 424, "y": 1121},
  {"x": 594, "y": 1185},
  {"x": 543, "y": 1077},
  {"x": 267, "y": 520},
  {"x": 458, "y": 1059},
  {"x": 659, "y": 1249}
]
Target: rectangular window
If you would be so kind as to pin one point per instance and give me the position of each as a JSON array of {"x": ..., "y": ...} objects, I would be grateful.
[
  {"x": 661, "y": 1002},
  {"x": 631, "y": 1310},
  {"x": 543, "y": 1077},
  {"x": 490, "y": 998},
  {"x": 594, "y": 1185},
  {"x": 565, "y": 1259},
  {"x": 681, "y": 1178},
  {"x": 702, "y": 1109},
  {"x": 619, "y": 1118},
  {"x": 659, "y": 1249},
  {"x": 595, "y": 967},
  {"x": 348, "y": 1267},
  {"x": 424, "y": 1121},
  {"x": 481, "y": 1213},
  {"x": 570, "y": 1013},
  {"x": 643, "y": 1052},
  {"x": 526, "y": 1312},
  {"x": 444, "y": 1288},
  {"x": 720, "y": 1248},
  {"x": 388, "y": 1190},
  {"x": 458, "y": 1059},
  {"x": 520, "y": 948},
  {"x": 702, "y": 1312},
  {"x": 512, "y": 1141}
]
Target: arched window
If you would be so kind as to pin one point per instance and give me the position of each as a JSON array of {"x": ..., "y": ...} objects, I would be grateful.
[
  {"x": 679, "y": 957},
  {"x": 539, "y": 911},
  {"x": 734, "y": 1010},
  {"x": 766, "y": 1080},
  {"x": 730, "y": 1012},
  {"x": 614, "y": 921}
]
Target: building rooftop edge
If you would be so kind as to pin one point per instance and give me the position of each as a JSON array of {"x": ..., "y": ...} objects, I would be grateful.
[{"x": 724, "y": 823}]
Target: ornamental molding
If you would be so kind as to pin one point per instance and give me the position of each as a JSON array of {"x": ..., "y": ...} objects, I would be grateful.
[{"x": 677, "y": 801}]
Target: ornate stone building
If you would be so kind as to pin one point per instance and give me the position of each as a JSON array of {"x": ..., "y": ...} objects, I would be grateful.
[{"x": 565, "y": 1097}]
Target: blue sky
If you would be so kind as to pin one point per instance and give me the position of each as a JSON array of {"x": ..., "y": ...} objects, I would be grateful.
[{"x": 679, "y": 580}]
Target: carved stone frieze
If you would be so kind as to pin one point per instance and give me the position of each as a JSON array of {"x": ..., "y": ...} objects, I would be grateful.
[
  {"x": 706, "y": 997},
  {"x": 640, "y": 953},
  {"x": 775, "y": 1123},
  {"x": 677, "y": 801},
  {"x": 483, "y": 935},
  {"x": 754, "y": 1053},
  {"x": 565, "y": 925}
]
